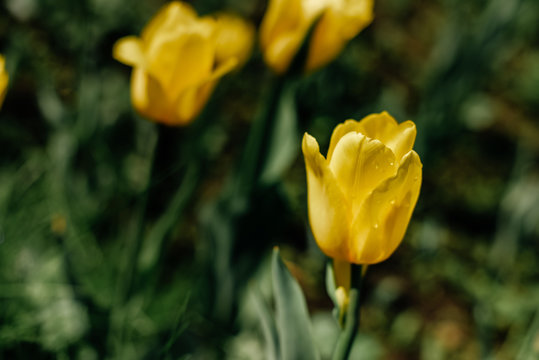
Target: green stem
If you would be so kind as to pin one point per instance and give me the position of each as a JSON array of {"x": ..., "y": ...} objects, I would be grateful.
[
  {"x": 348, "y": 334},
  {"x": 135, "y": 246},
  {"x": 117, "y": 331},
  {"x": 258, "y": 140}
]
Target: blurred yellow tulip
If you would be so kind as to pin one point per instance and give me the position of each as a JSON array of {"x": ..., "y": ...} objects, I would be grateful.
[
  {"x": 361, "y": 198},
  {"x": 287, "y": 22},
  {"x": 4, "y": 79},
  {"x": 179, "y": 58}
]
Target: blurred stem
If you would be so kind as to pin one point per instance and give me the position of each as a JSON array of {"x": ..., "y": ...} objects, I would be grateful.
[
  {"x": 134, "y": 247},
  {"x": 348, "y": 335},
  {"x": 126, "y": 279},
  {"x": 259, "y": 137}
]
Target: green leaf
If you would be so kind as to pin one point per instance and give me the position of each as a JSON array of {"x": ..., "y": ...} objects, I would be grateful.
[
  {"x": 528, "y": 350},
  {"x": 284, "y": 139},
  {"x": 268, "y": 326},
  {"x": 330, "y": 283},
  {"x": 293, "y": 324}
]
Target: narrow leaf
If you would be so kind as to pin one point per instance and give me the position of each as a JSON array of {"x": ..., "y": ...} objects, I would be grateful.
[
  {"x": 284, "y": 139},
  {"x": 268, "y": 326},
  {"x": 295, "y": 334}
]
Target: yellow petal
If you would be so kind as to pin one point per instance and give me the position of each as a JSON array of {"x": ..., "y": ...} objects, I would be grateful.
[
  {"x": 171, "y": 40},
  {"x": 354, "y": 16},
  {"x": 329, "y": 214},
  {"x": 359, "y": 165},
  {"x": 398, "y": 137},
  {"x": 149, "y": 99},
  {"x": 192, "y": 64},
  {"x": 284, "y": 28},
  {"x": 191, "y": 101},
  {"x": 326, "y": 43},
  {"x": 171, "y": 18},
  {"x": 128, "y": 50},
  {"x": 339, "y": 131},
  {"x": 234, "y": 38},
  {"x": 342, "y": 21},
  {"x": 281, "y": 16},
  {"x": 281, "y": 51},
  {"x": 4, "y": 80},
  {"x": 187, "y": 105},
  {"x": 223, "y": 68},
  {"x": 384, "y": 216}
]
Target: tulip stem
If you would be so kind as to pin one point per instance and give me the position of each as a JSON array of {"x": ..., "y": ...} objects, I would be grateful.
[
  {"x": 127, "y": 274},
  {"x": 351, "y": 326},
  {"x": 259, "y": 137}
]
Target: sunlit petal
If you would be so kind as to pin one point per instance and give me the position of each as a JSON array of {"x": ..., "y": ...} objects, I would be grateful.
[
  {"x": 398, "y": 137},
  {"x": 128, "y": 50},
  {"x": 384, "y": 216},
  {"x": 329, "y": 214},
  {"x": 359, "y": 165}
]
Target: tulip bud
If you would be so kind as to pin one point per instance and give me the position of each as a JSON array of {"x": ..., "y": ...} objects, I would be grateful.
[
  {"x": 287, "y": 23},
  {"x": 361, "y": 198},
  {"x": 4, "y": 79},
  {"x": 178, "y": 60}
]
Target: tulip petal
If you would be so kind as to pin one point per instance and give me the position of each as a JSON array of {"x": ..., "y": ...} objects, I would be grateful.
[
  {"x": 381, "y": 223},
  {"x": 341, "y": 130},
  {"x": 167, "y": 20},
  {"x": 194, "y": 65},
  {"x": 284, "y": 28},
  {"x": 128, "y": 50},
  {"x": 234, "y": 38},
  {"x": 4, "y": 80},
  {"x": 223, "y": 69},
  {"x": 149, "y": 99},
  {"x": 352, "y": 16},
  {"x": 359, "y": 165},
  {"x": 326, "y": 43},
  {"x": 342, "y": 21},
  {"x": 329, "y": 214},
  {"x": 398, "y": 137},
  {"x": 177, "y": 40},
  {"x": 180, "y": 62},
  {"x": 281, "y": 51},
  {"x": 281, "y": 16},
  {"x": 191, "y": 101}
]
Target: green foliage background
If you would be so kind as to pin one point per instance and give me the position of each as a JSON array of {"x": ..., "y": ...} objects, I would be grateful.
[{"x": 75, "y": 161}]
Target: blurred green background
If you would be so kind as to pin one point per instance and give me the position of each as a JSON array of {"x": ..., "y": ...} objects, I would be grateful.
[{"x": 75, "y": 160}]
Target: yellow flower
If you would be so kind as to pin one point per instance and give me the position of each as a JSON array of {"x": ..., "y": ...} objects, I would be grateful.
[
  {"x": 361, "y": 197},
  {"x": 287, "y": 22},
  {"x": 234, "y": 38},
  {"x": 179, "y": 58},
  {"x": 4, "y": 79}
]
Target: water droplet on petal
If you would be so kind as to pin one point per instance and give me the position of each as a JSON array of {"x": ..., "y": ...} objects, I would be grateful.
[{"x": 376, "y": 226}]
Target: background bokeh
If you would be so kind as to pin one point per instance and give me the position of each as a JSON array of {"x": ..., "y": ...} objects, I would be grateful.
[{"x": 75, "y": 158}]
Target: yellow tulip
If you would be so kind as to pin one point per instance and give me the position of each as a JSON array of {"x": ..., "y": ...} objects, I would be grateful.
[
  {"x": 287, "y": 22},
  {"x": 234, "y": 38},
  {"x": 179, "y": 58},
  {"x": 4, "y": 79},
  {"x": 361, "y": 198}
]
